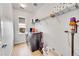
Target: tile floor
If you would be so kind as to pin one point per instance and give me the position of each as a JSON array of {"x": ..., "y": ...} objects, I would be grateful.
[{"x": 23, "y": 50}]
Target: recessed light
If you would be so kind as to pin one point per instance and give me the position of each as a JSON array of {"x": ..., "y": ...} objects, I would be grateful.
[{"x": 23, "y": 6}]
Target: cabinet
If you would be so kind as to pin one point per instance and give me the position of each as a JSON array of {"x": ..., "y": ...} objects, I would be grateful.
[{"x": 35, "y": 41}]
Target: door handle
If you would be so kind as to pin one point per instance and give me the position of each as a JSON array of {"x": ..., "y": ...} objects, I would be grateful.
[{"x": 4, "y": 45}]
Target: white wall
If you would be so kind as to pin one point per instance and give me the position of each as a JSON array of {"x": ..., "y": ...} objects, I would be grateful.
[
  {"x": 19, "y": 38},
  {"x": 7, "y": 28},
  {"x": 54, "y": 28}
]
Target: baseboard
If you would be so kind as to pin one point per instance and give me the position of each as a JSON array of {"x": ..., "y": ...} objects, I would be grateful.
[{"x": 19, "y": 42}]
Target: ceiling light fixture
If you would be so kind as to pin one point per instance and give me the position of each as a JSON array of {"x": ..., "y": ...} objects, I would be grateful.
[
  {"x": 35, "y": 4},
  {"x": 23, "y": 6}
]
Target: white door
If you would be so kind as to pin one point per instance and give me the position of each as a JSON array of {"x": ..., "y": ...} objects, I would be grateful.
[
  {"x": 0, "y": 33},
  {"x": 6, "y": 29}
]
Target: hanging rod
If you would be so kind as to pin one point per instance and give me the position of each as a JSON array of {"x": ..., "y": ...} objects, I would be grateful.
[{"x": 64, "y": 11}]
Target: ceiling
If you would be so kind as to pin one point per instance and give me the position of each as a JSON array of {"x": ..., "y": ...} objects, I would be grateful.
[{"x": 31, "y": 7}]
